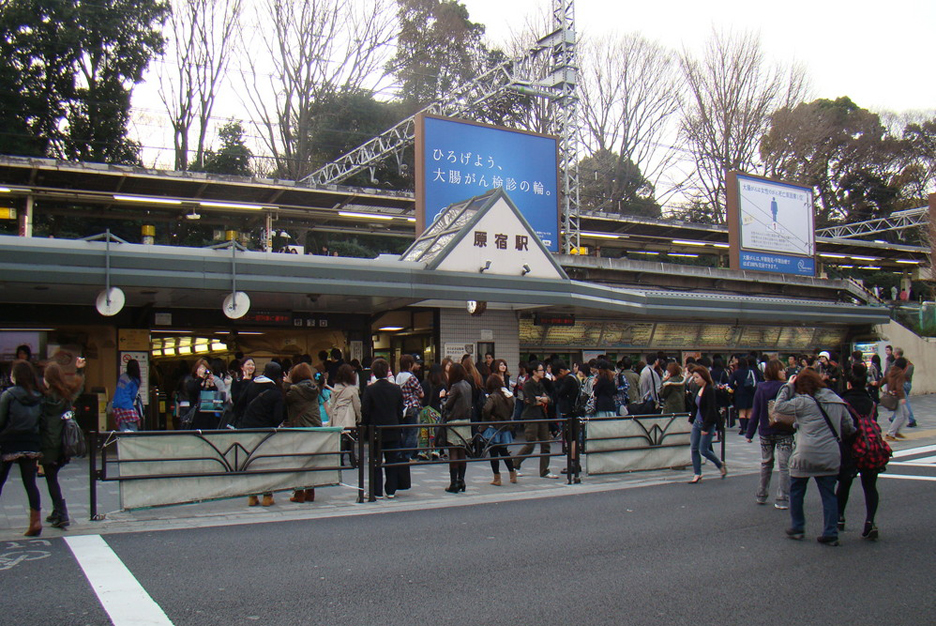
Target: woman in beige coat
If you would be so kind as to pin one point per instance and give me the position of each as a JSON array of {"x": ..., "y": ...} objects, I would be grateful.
[{"x": 345, "y": 408}]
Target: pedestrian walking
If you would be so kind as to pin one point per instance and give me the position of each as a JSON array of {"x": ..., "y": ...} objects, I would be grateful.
[
  {"x": 498, "y": 408},
  {"x": 20, "y": 443},
  {"x": 776, "y": 442},
  {"x": 59, "y": 396},
  {"x": 895, "y": 385},
  {"x": 705, "y": 421},
  {"x": 822, "y": 422},
  {"x": 535, "y": 401}
]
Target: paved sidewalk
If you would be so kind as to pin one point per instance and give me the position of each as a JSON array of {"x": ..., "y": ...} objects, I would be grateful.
[{"x": 427, "y": 491}]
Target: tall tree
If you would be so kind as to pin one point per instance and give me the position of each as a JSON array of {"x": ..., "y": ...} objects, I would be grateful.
[
  {"x": 630, "y": 94},
  {"x": 732, "y": 93},
  {"x": 614, "y": 184},
  {"x": 317, "y": 48},
  {"x": 71, "y": 65},
  {"x": 202, "y": 37},
  {"x": 438, "y": 48},
  {"x": 233, "y": 157},
  {"x": 842, "y": 151}
]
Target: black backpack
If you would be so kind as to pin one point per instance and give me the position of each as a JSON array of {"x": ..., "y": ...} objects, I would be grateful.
[{"x": 23, "y": 417}]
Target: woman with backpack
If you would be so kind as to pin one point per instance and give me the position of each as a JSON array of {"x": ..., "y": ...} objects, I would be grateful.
[
  {"x": 19, "y": 436},
  {"x": 743, "y": 382},
  {"x": 864, "y": 416},
  {"x": 59, "y": 397},
  {"x": 775, "y": 441}
]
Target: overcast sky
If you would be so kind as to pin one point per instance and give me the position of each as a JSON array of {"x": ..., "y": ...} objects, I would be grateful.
[{"x": 881, "y": 54}]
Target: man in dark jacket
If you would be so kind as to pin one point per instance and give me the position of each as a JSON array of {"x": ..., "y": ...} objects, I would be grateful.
[
  {"x": 535, "y": 401},
  {"x": 382, "y": 405},
  {"x": 567, "y": 392}
]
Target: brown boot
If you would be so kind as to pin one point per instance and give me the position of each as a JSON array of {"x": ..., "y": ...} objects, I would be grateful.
[
  {"x": 497, "y": 481},
  {"x": 310, "y": 495},
  {"x": 513, "y": 476},
  {"x": 35, "y": 524},
  {"x": 253, "y": 501},
  {"x": 298, "y": 496},
  {"x": 268, "y": 500}
]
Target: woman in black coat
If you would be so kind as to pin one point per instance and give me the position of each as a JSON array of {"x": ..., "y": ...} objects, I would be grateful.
[
  {"x": 704, "y": 424},
  {"x": 265, "y": 408},
  {"x": 382, "y": 405}
]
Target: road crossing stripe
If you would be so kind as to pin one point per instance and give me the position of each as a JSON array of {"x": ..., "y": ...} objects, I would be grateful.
[
  {"x": 912, "y": 451},
  {"x": 124, "y": 599},
  {"x": 928, "y": 461},
  {"x": 907, "y": 477}
]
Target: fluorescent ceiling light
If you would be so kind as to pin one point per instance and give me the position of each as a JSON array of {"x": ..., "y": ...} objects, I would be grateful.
[
  {"x": 721, "y": 245},
  {"x": 848, "y": 267},
  {"x": 684, "y": 242},
  {"x": 870, "y": 267},
  {"x": 178, "y": 332},
  {"x": 411, "y": 219},
  {"x": 184, "y": 350},
  {"x": 682, "y": 254},
  {"x": 231, "y": 205},
  {"x": 201, "y": 348},
  {"x": 864, "y": 258},
  {"x": 829, "y": 255},
  {"x": 642, "y": 252},
  {"x": 5, "y": 190},
  {"x": 391, "y": 329},
  {"x": 147, "y": 199},
  {"x": 27, "y": 330},
  {"x": 368, "y": 216},
  {"x": 907, "y": 261},
  {"x": 600, "y": 235}
]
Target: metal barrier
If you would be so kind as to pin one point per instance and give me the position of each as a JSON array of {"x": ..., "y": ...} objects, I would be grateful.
[
  {"x": 153, "y": 468},
  {"x": 636, "y": 442}
]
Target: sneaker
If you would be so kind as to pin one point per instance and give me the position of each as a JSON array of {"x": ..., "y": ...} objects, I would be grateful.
[
  {"x": 795, "y": 534},
  {"x": 519, "y": 473},
  {"x": 782, "y": 506},
  {"x": 912, "y": 425},
  {"x": 760, "y": 501},
  {"x": 828, "y": 540},
  {"x": 391, "y": 496},
  {"x": 549, "y": 475}
]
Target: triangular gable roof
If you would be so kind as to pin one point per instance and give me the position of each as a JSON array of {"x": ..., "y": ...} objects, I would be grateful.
[{"x": 448, "y": 243}]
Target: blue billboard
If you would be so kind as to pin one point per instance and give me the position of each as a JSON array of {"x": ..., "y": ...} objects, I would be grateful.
[
  {"x": 781, "y": 263},
  {"x": 457, "y": 160}
]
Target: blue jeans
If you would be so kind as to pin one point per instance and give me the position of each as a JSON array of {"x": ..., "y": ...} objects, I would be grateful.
[
  {"x": 700, "y": 444},
  {"x": 907, "y": 387},
  {"x": 829, "y": 504},
  {"x": 129, "y": 427}
]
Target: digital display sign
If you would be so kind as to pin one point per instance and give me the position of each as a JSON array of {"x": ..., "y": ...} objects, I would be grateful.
[{"x": 457, "y": 159}]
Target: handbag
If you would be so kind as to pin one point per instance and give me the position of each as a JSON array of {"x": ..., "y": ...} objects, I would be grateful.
[
  {"x": 777, "y": 420},
  {"x": 889, "y": 399},
  {"x": 844, "y": 451}
]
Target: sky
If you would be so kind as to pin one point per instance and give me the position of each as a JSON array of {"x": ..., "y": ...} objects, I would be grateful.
[{"x": 881, "y": 54}]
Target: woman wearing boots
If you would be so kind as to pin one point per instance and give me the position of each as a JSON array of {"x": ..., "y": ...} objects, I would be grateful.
[
  {"x": 302, "y": 409},
  {"x": 345, "y": 408},
  {"x": 59, "y": 398},
  {"x": 456, "y": 413},
  {"x": 498, "y": 408},
  {"x": 19, "y": 436}
]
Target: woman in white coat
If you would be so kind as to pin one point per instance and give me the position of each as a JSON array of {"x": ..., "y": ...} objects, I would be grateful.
[{"x": 345, "y": 408}]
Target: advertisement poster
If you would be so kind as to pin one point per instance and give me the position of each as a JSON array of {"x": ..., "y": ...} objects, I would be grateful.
[
  {"x": 775, "y": 226},
  {"x": 457, "y": 160}
]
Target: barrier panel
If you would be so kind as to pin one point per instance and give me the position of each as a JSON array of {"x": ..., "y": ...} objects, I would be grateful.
[
  {"x": 160, "y": 468},
  {"x": 639, "y": 442}
]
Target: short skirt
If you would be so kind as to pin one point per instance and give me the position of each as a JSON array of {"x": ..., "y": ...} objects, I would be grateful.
[
  {"x": 497, "y": 437},
  {"x": 457, "y": 433}
]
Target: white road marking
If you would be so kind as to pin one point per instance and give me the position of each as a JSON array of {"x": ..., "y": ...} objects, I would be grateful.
[
  {"x": 912, "y": 451},
  {"x": 907, "y": 477},
  {"x": 124, "y": 599}
]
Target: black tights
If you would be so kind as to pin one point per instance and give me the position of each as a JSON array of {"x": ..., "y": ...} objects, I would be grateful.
[
  {"x": 457, "y": 463},
  {"x": 55, "y": 491},
  {"x": 28, "y": 473},
  {"x": 497, "y": 451},
  {"x": 868, "y": 484}
]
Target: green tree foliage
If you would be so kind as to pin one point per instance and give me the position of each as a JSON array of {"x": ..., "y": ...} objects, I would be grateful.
[
  {"x": 438, "y": 49},
  {"x": 233, "y": 157},
  {"x": 840, "y": 149},
  {"x": 919, "y": 173},
  {"x": 611, "y": 183},
  {"x": 67, "y": 69}
]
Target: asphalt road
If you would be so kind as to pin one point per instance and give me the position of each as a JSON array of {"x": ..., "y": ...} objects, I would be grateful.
[{"x": 668, "y": 554}]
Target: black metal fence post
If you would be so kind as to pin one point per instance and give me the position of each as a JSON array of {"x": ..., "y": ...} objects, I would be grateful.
[
  {"x": 360, "y": 463},
  {"x": 92, "y": 465},
  {"x": 372, "y": 461}
]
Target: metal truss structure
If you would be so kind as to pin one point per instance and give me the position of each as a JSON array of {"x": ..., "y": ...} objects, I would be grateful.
[
  {"x": 898, "y": 220},
  {"x": 548, "y": 69}
]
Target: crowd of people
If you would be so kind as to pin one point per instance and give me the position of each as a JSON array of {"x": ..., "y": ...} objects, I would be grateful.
[{"x": 447, "y": 411}]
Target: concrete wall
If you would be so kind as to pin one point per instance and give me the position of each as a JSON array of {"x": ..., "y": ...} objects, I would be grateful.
[
  {"x": 921, "y": 351},
  {"x": 457, "y": 326}
]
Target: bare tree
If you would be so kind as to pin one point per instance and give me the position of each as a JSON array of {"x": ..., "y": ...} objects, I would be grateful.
[
  {"x": 630, "y": 91},
  {"x": 732, "y": 91},
  {"x": 314, "y": 48},
  {"x": 203, "y": 34}
]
